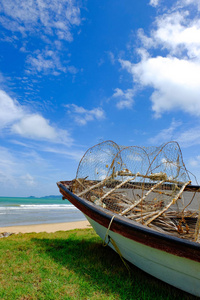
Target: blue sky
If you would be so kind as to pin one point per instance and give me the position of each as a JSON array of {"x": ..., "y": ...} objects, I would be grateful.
[{"x": 75, "y": 73}]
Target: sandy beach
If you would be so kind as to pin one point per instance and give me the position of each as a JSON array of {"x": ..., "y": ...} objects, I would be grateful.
[{"x": 46, "y": 227}]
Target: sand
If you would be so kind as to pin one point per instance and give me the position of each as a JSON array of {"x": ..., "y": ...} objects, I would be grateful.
[{"x": 46, "y": 227}]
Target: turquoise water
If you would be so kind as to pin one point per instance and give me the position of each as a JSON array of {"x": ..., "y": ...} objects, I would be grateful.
[{"x": 27, "y": 211}]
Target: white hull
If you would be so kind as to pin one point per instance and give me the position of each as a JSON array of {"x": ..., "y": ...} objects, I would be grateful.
[
  {"x": 173, "y": 260},
  {"x": 180, "y": 272}
]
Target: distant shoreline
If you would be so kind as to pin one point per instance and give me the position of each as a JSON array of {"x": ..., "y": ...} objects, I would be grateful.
[
  {"x": 49, "y": 228},
  {"x": 34, "y": 197}
]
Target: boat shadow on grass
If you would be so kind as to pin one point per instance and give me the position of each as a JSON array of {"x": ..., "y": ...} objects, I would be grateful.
[{"x": 91, "y": 269}]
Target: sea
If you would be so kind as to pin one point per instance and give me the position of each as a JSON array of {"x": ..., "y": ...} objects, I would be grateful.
[{"x": 28, "y": 211}]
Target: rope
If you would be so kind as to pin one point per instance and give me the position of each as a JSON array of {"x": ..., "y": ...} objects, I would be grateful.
[
  {"x": 105, "y": 244},
  {"x": 120, "y": 255},
  {"x": 115, "y": 245}
]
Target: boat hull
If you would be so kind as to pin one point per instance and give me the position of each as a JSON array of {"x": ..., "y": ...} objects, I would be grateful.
[
  {"x": 172, "y": 260},
  {"x": 177, "y": 271}
]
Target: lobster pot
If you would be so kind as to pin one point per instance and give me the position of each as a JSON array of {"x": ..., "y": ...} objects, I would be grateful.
[{"x": 149, "y": 185}]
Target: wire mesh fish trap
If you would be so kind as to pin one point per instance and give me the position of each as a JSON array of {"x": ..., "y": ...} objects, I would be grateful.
[{"x": 149, "y": 185}]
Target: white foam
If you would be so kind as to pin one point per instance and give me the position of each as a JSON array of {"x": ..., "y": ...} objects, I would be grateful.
[{"x": 39, "y": 207}]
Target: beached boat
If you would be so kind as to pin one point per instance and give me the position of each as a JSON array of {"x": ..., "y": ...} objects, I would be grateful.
[{"x": 141, "y": 202}]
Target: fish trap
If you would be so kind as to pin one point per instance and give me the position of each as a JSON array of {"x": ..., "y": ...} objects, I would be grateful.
[{"x": 149, "y": 185}]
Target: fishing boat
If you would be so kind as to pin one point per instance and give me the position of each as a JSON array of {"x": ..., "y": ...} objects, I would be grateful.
[{"x": 142, "y": 203}]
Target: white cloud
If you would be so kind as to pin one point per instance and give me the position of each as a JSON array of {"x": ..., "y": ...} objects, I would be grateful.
[
  {"x": 46, "y": 61},
  {"x": 166, "y": 135},
  {"x": 75, "y": 154},
  {"x": 189, "y": 137},
  {"x": 174, "y": 72},
  {"x": 183, "y": 3},
  {"x": 40, "y": 17},
  {"x": 175, "y": 81},
  {"x": 177, "y": 33},
  {"x": 176, "y": 131},
  {"x": 52, "y": 22},
  {"x": 125, "y": 98},
  {"x": 82, "y": 116},
  {"x": 18, "y": 120},
  {"x": 154, "y": 2},
  {"x": 111, "y": 57},
  {"x": 34, "y": 126},
  {"x": 10, "y": 110}
]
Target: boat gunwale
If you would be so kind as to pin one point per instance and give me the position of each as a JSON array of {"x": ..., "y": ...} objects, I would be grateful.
[{"x": 173, "y": 245}]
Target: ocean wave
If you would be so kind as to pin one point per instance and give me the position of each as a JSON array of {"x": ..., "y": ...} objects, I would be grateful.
[{"x": 39, "y": 207}]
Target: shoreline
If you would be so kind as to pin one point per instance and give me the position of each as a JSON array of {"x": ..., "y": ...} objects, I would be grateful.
[{"x": 49, "y": 228}]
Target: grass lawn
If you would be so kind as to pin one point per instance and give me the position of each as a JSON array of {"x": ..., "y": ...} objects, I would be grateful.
[{"x": 72, "y": 265}]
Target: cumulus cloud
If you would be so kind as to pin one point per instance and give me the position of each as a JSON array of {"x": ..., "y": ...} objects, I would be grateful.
[
  {"x": 18, "y": 120},
  {"x": 34, "y": 126},
  {"x": 177, "y": 32},
  {"x": 173, "y": 70},
  {"x": 124, "y": 98},
  {"x": 175, "y": 81},
  {"x": 82, "y": 116}
]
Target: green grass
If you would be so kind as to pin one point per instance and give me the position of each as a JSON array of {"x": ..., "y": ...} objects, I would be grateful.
[{"x": 72, "y": 265}]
